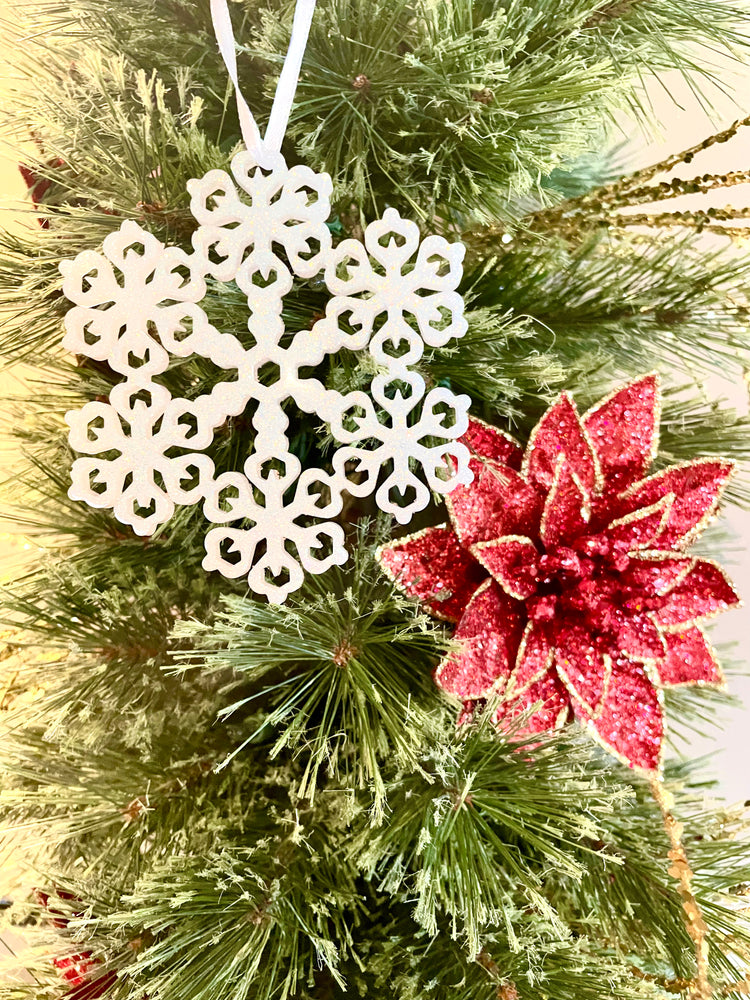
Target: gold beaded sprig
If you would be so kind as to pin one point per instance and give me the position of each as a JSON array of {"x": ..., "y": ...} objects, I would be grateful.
[
  {"x": 700, "y": 988},
  {"x": 607, "y": 205}
]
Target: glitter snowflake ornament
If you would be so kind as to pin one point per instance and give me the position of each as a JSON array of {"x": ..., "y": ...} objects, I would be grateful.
[
  {"x": 136, "y": 305},
  {"x": 565, "y": 570}
]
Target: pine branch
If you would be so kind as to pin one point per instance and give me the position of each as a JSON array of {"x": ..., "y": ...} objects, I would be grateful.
[
  {"x": 343, "y": 672},
  {"x": 287, "y": 910},
  {"x": 473, "y": 833}
]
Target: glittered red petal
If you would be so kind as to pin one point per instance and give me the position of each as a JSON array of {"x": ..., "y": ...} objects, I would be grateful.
[
  {"x": 690, "y": 659},
  {"x": 696, "y": 486},
  {"x": 582, "y": 667},
  {"x": 566, "y": 510},
  {"x": 653, "y": 576},
  {"x": 487, "y": 441},
  {"x": 75, "y": 969},
  {"x": 702, "y": 593},
  {"x": 641, "y": 527},
  {"x": 630, "y": 724},
  {"x": 488, "y": 635},
  {"x": 467, "y": 712},
  {"x": 534, "y": 660},
  {"x": 560, "y": 432},
  {"x": 639, "y": 638},
  {"x": 513, "y": 561},
  {"x": 432, "y": 566},
  {"x": 545, "y": 705},
  {"x": 624, "y": 431},
  {"x": 498, "y": 502}
]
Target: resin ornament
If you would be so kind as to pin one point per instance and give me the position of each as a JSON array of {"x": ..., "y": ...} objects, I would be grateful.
[
  {"x": 566, "y": 573},
  {"x": 136, "y": 306}
]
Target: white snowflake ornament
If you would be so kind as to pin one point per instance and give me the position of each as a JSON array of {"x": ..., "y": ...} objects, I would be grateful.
[{"x": 136, "y": 305}]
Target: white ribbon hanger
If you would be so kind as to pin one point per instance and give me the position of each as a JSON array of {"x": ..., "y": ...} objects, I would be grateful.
[{"x": 287, "y": 85}]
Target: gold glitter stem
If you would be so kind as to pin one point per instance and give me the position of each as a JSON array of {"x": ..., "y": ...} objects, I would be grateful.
[
  {"x": 618, "y": 193},
  {"x": 623, "y": 185},
  {"x": 681, "y": 871},
  {"x": 687, "y": 155},
  {"x": 743, "y": 988},
  {"x": 677, "y": 188}
]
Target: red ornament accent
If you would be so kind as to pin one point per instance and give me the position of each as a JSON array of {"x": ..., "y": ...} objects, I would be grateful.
[
  {"x": 564, "y": 569},
  {"x": 490, "y": 628},
  {"x": 38, "y": 185},
  {"x": 78, "y": 971},
  {"x": 56, "y": 918},
  {"x": 75, "y": 969},
  {"x": 439, "y": 556},
  {"x": 93, "y": 989},
  {"x": 487, "y": 442},
  {"x": 689, "y": 659}
]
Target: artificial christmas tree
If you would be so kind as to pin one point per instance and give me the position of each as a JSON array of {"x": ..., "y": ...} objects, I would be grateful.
[{"x": 231, "y": 763}]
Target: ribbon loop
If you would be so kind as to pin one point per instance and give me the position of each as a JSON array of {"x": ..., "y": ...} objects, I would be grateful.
[{"x": 286, "y": 87}]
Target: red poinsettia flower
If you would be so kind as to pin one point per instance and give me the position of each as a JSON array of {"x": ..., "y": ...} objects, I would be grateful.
[{"x": 566, "y": 574}]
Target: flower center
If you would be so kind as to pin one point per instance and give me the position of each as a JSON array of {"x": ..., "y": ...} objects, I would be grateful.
[
  {"x": 562, "y": 568},
  {"x": 573, "y": 578}
]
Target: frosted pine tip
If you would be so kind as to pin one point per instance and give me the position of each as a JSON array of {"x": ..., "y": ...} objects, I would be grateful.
[
  {"x": 460, "y": 799},
  {"x": 361, "y": 82},
  {"x": 343, "y": 653},
  {"x": 507, "y": 992},
  {"x": 134, "y": 810},
  {"x": 483, "y": 96}
]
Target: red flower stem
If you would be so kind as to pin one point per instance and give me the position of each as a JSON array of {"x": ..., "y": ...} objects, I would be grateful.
[{"x": 681, "y": 871}]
